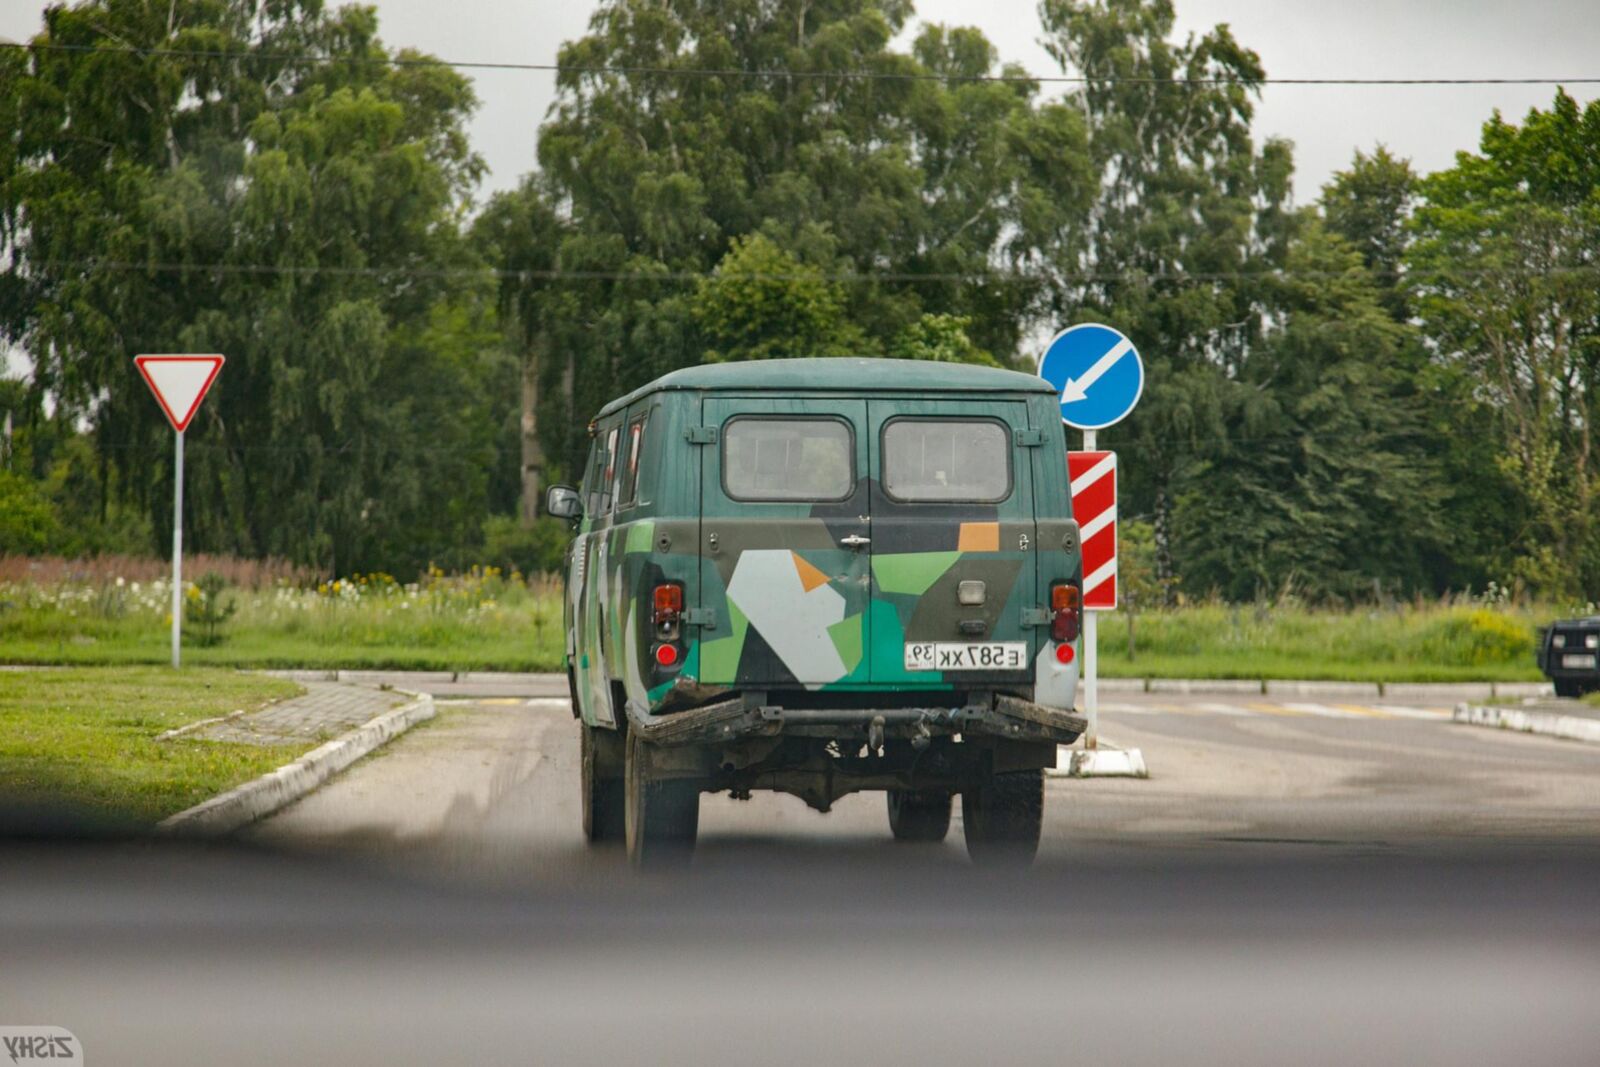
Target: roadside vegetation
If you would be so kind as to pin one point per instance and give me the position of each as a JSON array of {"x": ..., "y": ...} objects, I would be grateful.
[
  {"x": 85, "y": 740},
  {"x": 489, "y": 619},
  {"x": 1387, "y": 387},
  {"x": 1447, "y": 640},
  {"x": 484, "y": 619}
]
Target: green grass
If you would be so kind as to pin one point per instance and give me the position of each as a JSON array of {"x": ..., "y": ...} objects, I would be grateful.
[
  {"x": 1409, "y": 643},
  {"x": 479, "y": 621},
  {"x": 84, "y": 740},
  {"x": 486, "y": 621}
]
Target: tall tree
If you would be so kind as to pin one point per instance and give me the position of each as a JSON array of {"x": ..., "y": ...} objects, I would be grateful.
[
  {"x": 1504, "y": 273},
  {"x": 193, "y": 176},
  {"x": 1187, "y": 215},
  {"x": 921, "y": 195},
  {"x": 1369, "y": 206},
  {"x": 1326, "y": 483}
]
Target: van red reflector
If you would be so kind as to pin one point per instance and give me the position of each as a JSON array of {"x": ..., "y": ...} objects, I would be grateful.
[
  {"x": 666, "y": 655},
  {"x": 1064, "y": 653}
]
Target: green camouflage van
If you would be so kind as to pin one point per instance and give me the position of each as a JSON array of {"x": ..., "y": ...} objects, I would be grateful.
[{"x": 822, "y": 576}]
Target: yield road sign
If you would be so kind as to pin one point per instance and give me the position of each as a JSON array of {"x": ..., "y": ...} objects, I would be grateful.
[
  {"x": 179, "y": 383},
  {"x": 1098, "y": 373}
]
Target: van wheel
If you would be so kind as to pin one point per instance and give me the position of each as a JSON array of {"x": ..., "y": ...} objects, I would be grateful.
[
  {"x": 1002, "y": 817},
  {"x": 1568, "y": 687},
  {"x": 601, "y": 758},
  {"x": 919, "y": 817},
  {"x": 662, "y": 817}
]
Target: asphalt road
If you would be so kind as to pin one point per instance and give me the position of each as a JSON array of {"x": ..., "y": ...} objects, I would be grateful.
[
  {"x": 1299, "y": 883},
  {"x": 488, "y": 793}
]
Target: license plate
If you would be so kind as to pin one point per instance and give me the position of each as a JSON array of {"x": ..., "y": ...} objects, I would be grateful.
[
  {"x": 963, "y": 656},
  {"x": 1570, "y": 662}
]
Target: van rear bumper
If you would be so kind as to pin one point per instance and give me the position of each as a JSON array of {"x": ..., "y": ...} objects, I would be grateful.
[{"x": 1006, "y": 717}]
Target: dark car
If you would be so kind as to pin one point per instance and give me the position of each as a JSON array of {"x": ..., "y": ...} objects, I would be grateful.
[{"x": 1569, "y": 653}]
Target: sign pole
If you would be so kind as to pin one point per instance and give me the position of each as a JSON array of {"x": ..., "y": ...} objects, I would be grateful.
[
  {"x": 177, "y": 550},
  {"x": 179, "y": 383},
  {"x": 1100, "y": 377},
  {"x": 1091, "y": 654}
]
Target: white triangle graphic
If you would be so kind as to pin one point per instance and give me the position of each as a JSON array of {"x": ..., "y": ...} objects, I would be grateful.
[{"x": 180, "y": 383}]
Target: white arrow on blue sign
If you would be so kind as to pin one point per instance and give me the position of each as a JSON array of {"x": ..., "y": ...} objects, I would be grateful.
[{"x": 1098, "y": 373}]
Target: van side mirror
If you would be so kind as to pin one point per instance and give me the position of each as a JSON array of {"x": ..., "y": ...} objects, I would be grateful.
[{"x": 563, "y": 502}]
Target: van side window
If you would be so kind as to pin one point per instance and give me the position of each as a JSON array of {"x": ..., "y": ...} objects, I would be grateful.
[
  {"x": 629, "y": 493},
  {"x": 591, "y": 476},
  {"x": 608, "y": 475},
  {"x": 650, "y": 453},
  {"x": 788, "y": 458},
  {"x": 943, "y": 460}
]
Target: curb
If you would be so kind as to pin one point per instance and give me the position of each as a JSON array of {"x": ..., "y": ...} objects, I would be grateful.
[
  {"x": 259, "y": 797},
  {"x": 1365, "y": 690},
  {"x": 1548, "y": 723}
]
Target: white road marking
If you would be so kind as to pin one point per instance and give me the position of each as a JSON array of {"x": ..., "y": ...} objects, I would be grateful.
[
  {"x": 1415, "y": 713},
  {"x": 1321, "y": 709},
  {"x": 1225, "y": 709}
]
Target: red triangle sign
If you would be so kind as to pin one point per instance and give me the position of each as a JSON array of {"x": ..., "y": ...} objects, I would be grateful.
[{"x": 179, "y": 383}]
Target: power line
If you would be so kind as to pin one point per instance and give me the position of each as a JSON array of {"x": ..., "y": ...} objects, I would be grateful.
[
  {"x": 854, "y": 277},
  {"x": 740, "y": 72}
]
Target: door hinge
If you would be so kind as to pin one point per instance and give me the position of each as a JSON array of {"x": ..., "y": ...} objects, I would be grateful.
[
  {"x": 1035, "y": 617},
  {"x": 706, "y": 617},
  {"x": 1030, "y": 438},
  {"x": 701, "y": 435}
]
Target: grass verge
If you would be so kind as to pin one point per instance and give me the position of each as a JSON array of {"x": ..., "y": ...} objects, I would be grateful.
[
  {"x": 484, "y": 620},
  {"x": 83, "y": 740}
]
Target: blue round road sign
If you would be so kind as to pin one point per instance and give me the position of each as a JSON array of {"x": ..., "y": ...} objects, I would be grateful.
[{"x": 1098, "y": 373}]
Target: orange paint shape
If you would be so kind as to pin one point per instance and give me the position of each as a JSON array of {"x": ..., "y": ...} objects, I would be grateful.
[
  {"x": 810, "y": 577},
  {"x": 979, "y": 537}
]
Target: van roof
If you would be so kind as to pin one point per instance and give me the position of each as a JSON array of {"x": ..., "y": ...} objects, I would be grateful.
[{"x": 844, "y": 374}]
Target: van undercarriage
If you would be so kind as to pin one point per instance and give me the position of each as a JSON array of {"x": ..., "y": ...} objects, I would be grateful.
[{"x": 921, "y": 756}]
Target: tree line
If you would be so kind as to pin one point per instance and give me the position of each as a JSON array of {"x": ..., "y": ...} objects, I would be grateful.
[{"x": 1390, "y": 390}]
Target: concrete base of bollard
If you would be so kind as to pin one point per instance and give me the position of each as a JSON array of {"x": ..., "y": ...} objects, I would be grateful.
[{"x": 1103, "y": 762}]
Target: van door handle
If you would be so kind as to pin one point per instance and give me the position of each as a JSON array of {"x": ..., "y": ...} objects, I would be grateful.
[{"x": 855, "y": 541}]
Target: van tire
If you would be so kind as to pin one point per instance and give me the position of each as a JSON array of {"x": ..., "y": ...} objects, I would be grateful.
[
  {"x": 600, "y": 754},
  {"x": 919, "y": 817},
  {"x": 662, "y": 817},
  {"x": 1002, "y": 816},
  {"x": 1569, "y": 687}
]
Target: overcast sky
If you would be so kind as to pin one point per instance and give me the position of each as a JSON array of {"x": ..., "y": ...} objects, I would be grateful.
[{"x": 1295, "y": 38}]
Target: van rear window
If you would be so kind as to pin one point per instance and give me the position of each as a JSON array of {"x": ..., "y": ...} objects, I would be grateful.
[
  {"x": 967, "y": 460},
  {"x": 787, "y": 459}
]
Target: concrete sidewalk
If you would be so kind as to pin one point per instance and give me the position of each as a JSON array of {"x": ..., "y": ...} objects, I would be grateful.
[
  {"x": 323, "y": 711},
  {"x": 488, "y": 684},
  {"x": 349, "y": 720},
  {"x": 445, "y": 685}
]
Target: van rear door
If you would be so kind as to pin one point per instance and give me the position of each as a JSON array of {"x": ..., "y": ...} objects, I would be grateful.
[
  {"x": 953, "y": 543},
  {"x": 784, "y": 541}
]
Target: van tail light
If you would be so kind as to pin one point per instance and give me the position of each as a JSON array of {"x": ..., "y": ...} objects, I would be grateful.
[
  {"x": 1066, "y": 605},
  {"x": 668, "y": 602}
]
